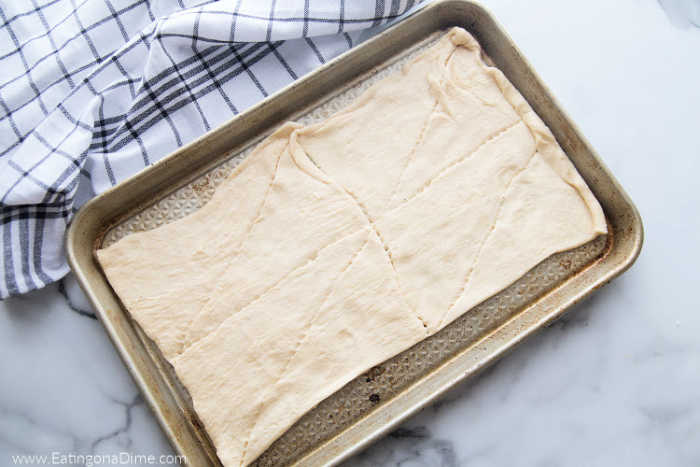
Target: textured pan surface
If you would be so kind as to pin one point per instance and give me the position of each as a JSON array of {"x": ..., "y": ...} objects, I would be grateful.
[{"x": 376, "y": 401}]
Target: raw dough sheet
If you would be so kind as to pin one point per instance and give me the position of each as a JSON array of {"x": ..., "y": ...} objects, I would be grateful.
[{"x": 336, "y": 246}]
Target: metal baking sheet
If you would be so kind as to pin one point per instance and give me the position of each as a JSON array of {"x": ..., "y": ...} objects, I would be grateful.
[{"x": 377, "y": 401}]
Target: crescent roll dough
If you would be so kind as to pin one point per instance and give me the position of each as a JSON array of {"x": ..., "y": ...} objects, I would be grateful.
[{"x": 334, "y": 247}]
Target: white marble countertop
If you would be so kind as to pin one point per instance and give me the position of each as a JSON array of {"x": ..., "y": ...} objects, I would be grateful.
[{"x": 615, "y": 383}]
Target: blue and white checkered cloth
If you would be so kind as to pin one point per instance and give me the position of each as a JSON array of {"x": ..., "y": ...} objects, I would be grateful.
[{"x": 92, "y": 91}]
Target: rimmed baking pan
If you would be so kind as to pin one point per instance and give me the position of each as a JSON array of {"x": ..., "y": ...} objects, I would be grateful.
[{"x": 375, "y": 402}]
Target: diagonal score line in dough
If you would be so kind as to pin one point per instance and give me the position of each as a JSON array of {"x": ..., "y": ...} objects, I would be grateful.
[
  {"x": 477, "y": 97},
  {"x": 302, "y": 340},
  {"x": 493, "y": 72},
  {"x": 312, "y": 258},
  {"x": 412, "y": 153},
  {"x": 453, "y": 164},
  {"x": 255, "y": 219},
  {"x": 497, "y": 217},
  {"x": 385, "y": 247},
  {"x": 373, "y": 226},
  {"x": 418, "y": 142}
]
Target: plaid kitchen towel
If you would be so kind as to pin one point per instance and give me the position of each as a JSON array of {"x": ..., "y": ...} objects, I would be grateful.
[{"x": 92, "y": 91}]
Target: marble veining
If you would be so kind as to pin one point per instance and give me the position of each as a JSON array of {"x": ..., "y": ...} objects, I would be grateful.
[
  {"x": 64, "y": 388},
  {"x": 75, "y": 299},
  {"x": 613, "y": 383},
  {"x": 682, "y": 13},
  {"x": 410, "y": 446}
]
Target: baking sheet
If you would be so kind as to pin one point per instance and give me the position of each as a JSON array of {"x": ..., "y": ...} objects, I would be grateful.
[{"x": 376, "y": 401}]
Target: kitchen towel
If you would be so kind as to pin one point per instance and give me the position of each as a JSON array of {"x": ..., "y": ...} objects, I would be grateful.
[{"x": 92, "y": 91}]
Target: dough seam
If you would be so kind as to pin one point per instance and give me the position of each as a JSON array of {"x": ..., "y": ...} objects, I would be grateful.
[
  {"x": 412, "y": 153},
  {"x": 540, "y": 132},
  {"x": 312, "y": 258},
  {"x": 453, "y": 164},
  {"x": 186, "y": 345},
  {"x": 301, "y": 341},
  {"x": 499, "y": 211},
  {"x": 372, "y": 224}
]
